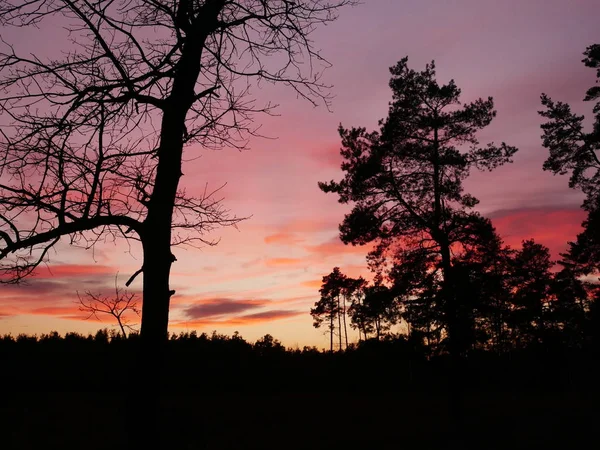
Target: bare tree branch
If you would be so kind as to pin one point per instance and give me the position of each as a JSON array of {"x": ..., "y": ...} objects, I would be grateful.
[{"x": 118, "y": 306}]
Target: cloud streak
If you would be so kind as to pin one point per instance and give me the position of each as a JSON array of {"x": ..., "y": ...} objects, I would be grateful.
[
  {"x": 244, "y": 320},
  {"x": 218, "y": 307},
  {"x": 283, "y": 262}
]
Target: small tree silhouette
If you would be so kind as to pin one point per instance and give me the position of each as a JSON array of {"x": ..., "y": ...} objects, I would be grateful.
[{"x": 117, "y": 306}]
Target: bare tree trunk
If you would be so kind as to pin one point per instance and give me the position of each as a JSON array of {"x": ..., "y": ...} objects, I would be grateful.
[
  {"x": 121, "y": 326},
  {"x": 156, "y": 239}
]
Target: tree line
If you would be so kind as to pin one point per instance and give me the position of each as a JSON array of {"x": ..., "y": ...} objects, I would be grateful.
[{"x": 108, "y": 361}]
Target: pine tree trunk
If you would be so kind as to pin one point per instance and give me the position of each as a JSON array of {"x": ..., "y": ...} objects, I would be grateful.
[
  {"x": 456, "y": 378},
  {"x": 331, "y": 332},
  {"x": 339, "y": 314},
  {"x": 344, "y": 315},
  {"x": 450, "y": 307}
]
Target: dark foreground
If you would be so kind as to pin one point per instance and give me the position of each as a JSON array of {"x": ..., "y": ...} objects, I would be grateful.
[
  {"x": 301, "y": 421},
  {"x": 224, "y": 393}
]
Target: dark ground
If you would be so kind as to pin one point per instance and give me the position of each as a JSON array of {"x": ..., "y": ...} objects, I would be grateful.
[{"x": 492, "y": 420}]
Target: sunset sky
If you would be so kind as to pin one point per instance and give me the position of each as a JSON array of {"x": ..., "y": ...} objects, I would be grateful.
[{"x": 264, "y": 276}]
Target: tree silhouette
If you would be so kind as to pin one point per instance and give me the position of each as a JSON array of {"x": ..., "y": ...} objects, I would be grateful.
[
  {"x": 485, "y": 274},
  {"x": 405, "y": 180},
  {"x": 416, "y": 283},
  {"x": 570, "y": 312},
  {"x": 354, "y": 292},
  {"x": 93, "y": 137},
  {"x": 379, "y": 308},
  {"x": 329, "y": 306},
  {"x": 530, "y": 282},
  {"x": 571, "y": 149},
  {"x": 118, "y": 306}
]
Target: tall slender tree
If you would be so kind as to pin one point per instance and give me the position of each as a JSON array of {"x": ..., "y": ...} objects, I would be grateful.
[
  {"x": 354, "y": 291},
  {"x": 328, "y": 308}
]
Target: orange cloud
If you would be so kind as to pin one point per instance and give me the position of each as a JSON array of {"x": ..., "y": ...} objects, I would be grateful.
[
  {"x": 72, "y": 270},
  {"x": 65, "y": 312},
  {"x": 279, "y": 262},
  {"x": 312, "y": 284},
  {"x": 56, "y": 311},
  {"x": 283, "y": 239},
  {"x": 302, "y": 225}
]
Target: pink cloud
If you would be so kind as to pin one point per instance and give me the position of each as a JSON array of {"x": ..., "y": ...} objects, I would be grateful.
[
  {"x": 326, "y": 156},
  {"x": 221, "y": 307}
]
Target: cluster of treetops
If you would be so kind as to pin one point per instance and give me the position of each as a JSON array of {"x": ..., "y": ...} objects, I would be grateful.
[{"x": 439, "y": 266}]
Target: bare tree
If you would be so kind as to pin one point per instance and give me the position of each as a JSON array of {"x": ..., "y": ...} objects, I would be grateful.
[
  {"x": 93, "y": 138},
  {"x": 120, "y": 306}
]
